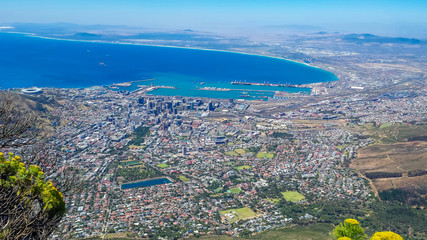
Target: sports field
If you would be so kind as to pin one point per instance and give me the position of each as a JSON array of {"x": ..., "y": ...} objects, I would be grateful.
[
  {"x": 162, "y": 165},
  {"x": 233, "y": 215},
  {"x": 232, "y": 154},
  {"x": 235, "y": 153},
  {"x": 243, "y": 167},
  {"x": 240, "y": 151},
  {"x": 265, "y": 155},
  {"x": 293, "y": 196},
  {"x": 183, "y": 178},
  {"x": 235, "y": 190}
]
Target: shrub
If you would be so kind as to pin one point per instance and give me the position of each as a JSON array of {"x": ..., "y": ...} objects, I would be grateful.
[
  {"x": 350, "y": 229},
  {"x": 386, "y": 236},
  {"x": 31, "y": 207}
]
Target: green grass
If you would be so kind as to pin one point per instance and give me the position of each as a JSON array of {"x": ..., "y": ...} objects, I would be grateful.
[
  {"x": 265, "y": 155},
  {"x": 235, "y": 190},
  {"x": 292, "y": 196},
  {"x": 342, "y": 146},
  {"x": 237, "y": 152},
  {"x": 183, "y": 178},
  {"x": 162, "y": 165},
  {"x": 138, "y": 135},
  {"x": 243, "y": 167},
  {"x": 240, "y": 151},
  {"x": 273, "y": 200},
  {"x": 388, "y": 133},
  {"x": 310, "y": 232},
  {"x": 232, "y": 154},
  {"x": 238, "y": 213},
  {"x": 406, "y": 132}
]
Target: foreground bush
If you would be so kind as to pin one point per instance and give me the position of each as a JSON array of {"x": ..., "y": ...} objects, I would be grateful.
[
  {"x": 30, "y": 207},
  {"x": 386, "y": 236},
  {"x": 351, "y": 230}
]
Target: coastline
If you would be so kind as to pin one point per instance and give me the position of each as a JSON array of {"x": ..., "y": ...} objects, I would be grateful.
[{"x": 171, "y": 46}]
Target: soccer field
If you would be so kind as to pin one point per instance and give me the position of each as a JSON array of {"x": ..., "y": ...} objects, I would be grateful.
[
  {"x": 265, "y": 155},
  {"x": 240, "y": 151},
  {"x": 293, "y": 196},
  {"x": 243, "y": 167},
  {"x": 236, "y": 214},
  {"x": 162, "y": 165},
  {"x": 235, "y": 190},
  {"x": 183, "y": 178}
]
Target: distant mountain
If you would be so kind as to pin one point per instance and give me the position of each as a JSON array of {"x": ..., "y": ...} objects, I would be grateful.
[
  {"x": 38, "y": 28},
  {"x": 85, "y": 35},
  {"x": 55, "y": 29},
  {"x": 109, "y": 33},
  {"x": 370, "y": 38},
  {"x": 184, "y": 36}
]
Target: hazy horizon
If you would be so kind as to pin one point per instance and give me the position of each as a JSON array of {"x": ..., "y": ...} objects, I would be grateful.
[{"x": 388, "y": 18}]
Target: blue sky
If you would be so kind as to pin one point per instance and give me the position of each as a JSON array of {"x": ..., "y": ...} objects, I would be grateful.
[{"x": 206, "y": 14}]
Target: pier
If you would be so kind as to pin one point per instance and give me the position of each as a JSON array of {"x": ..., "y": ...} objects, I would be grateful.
[{"x": 268, "y": 84}]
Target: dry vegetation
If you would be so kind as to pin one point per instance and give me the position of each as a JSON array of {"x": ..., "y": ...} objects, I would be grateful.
[
  {"x": 394, "y": 158},
  {"x": 396, "y": 155}
]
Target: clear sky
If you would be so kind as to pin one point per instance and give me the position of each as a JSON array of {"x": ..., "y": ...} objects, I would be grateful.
[{"x": 205, "y": 14}]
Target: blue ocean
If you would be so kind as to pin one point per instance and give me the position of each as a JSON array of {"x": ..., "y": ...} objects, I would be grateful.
[{"x": 27, "y": 61}]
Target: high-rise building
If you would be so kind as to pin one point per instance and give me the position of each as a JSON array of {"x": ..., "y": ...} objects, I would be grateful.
[
  {"x": 211, "y": 106},
  {"x": 168, "y": 105}
]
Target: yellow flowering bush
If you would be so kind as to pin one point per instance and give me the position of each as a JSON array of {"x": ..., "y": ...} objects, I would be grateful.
[
  {"x": 351, "y": 221},
  {"x": 386, "y": 236},
  {"x": 30, "y": 183},
  {"x": 351, "y": 230}
]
